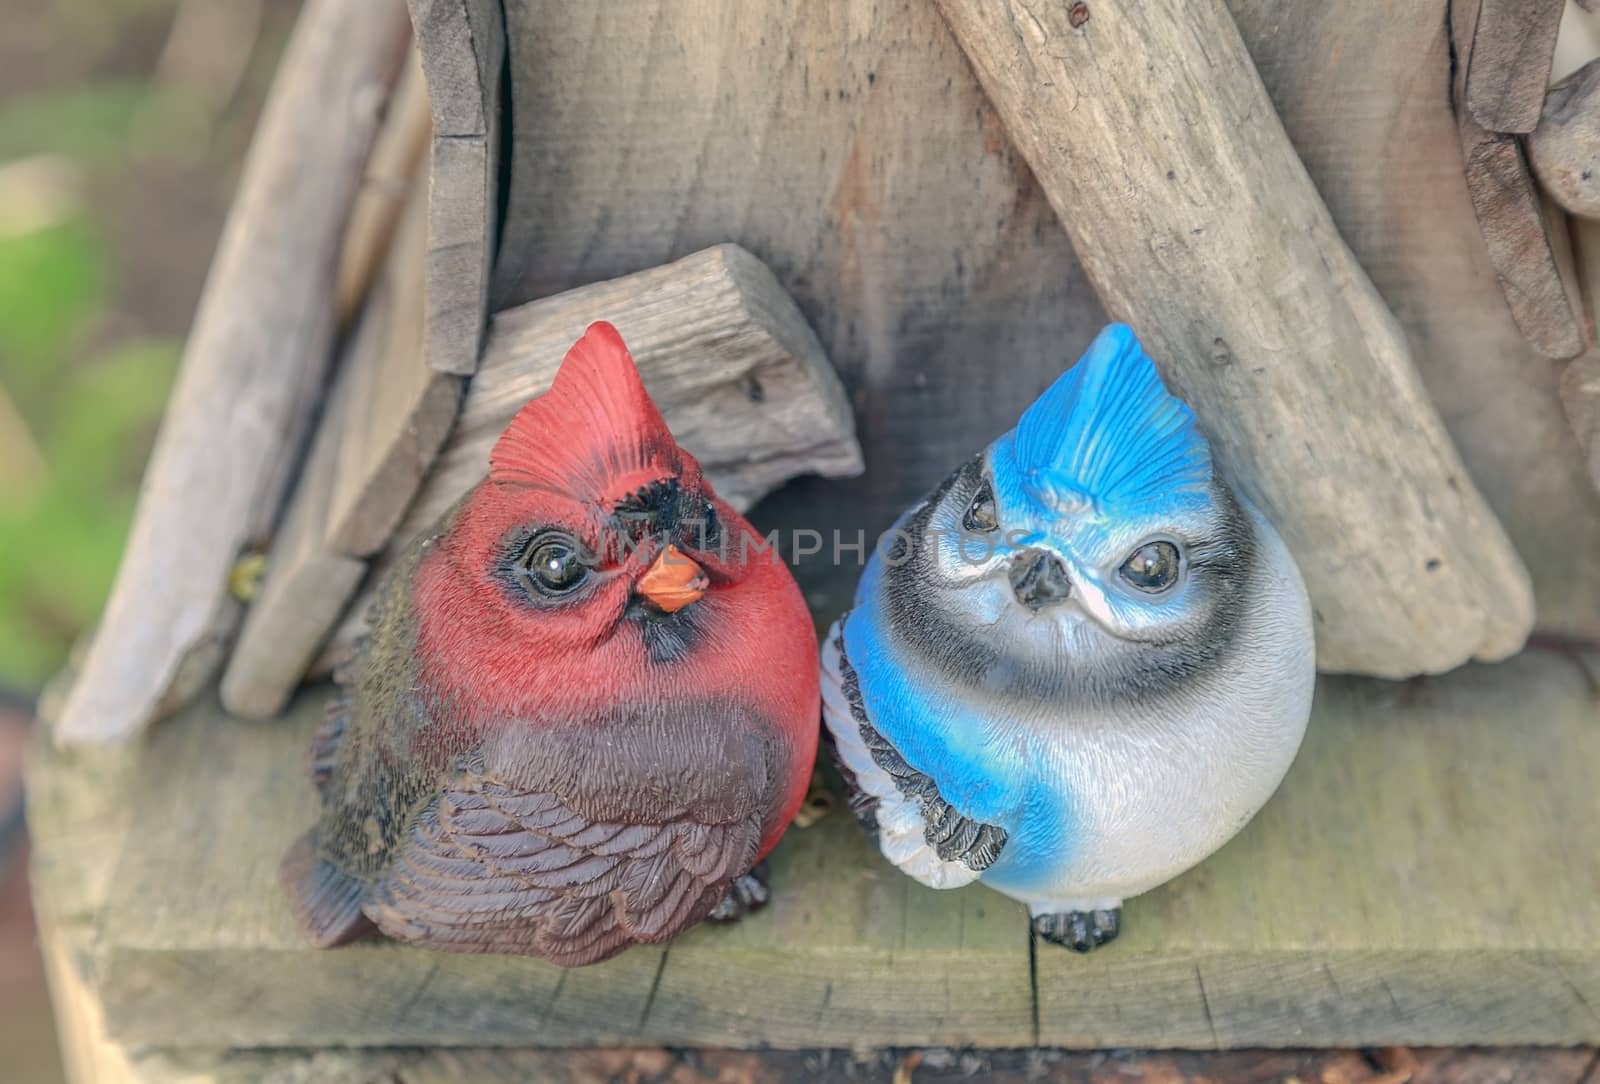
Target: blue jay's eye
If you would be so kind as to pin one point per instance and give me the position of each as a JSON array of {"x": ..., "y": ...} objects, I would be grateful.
[
  {"x": 1152, "y": 567},
  {"x": 980, "y": 515}
]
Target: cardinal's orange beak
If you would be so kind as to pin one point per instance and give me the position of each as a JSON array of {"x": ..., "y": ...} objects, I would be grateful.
[{"x": 673, "y": 580}]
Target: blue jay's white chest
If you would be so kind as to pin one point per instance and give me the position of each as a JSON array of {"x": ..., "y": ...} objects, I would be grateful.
[
  {"x": 1087, "y": 666},
  {"x": 1126, "y": 796}
]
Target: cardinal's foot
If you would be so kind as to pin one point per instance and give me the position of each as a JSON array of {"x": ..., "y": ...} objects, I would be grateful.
[
  {"x": 1080, "y": 931},
  {"x": 747, "y": 893}
]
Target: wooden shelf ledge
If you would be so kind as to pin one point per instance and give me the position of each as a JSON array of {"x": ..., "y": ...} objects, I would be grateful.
[{"x": 1428, "y": 874}]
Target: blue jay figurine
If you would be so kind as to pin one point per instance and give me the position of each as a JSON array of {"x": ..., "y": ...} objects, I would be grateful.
[{"x": 1079, "y": 666}]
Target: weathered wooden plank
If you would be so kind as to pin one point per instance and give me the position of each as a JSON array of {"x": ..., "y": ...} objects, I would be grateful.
[
  {"x": 1580, "y": 380},
  {"x": 381, "y": 428},
  {"x": 734, "y": 367},
  {"x": 251, "y": 374},
  {"x": 1198, "y": 225},
  {"x": 462, "y": 43},
  {"x": 1530, "y": 256},
  {"x": 1564, "y": 150},
  {"x": 1504, "y": 58},
  {"x": 386, "y": 186},
  {"x": 79, "y": 810},
  {"x": 397, "y": 411},
  {"x": 1580, "y": 397},
  {"x": 199, "y": 947},
  {"x": 823, "y": 972},
  {"x": 848, "y": 146},
  {"x": 1362, "y": 93},
  {"x": 305, "y": 589},
  {"x": 1430, "y": 872}
]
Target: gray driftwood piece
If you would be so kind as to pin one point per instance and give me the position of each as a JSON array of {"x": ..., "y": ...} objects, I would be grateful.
[
  {"x": 723, "y": 350},
  {"x": 1580, "y": 396},
  {"x": 1196, "y": 221},
  {"x": 1464, "y": 803},
  {"x": 1564, "y": 150},
  {"x": 463, "y": 50},
  {"x": 1363, "y": 93},
  {"x": 386, "y": 185},
  {"x": 1527, "y": 241},
  {"x": 252, "y": 373},
  {"x": 384, "y": 423},
  {"x": 1580, "y": 380},
  {"x": 1505, "y": 58}
]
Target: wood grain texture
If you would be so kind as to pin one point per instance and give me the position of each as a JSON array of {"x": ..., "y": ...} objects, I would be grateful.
[
  {"x": 252, "y": 370},
  {"x": 386, "y": 185},
  {"x": 1198, "y": 225},
  {"x": 733, "y": 366},
  {"x": 1580, "y": 380},
  {"x": 1504, "y": 58},
  {"x": 1580, "y": 398},
  {"x": 1527, "y": 247},
  {"x": 1387, "y": 894},
  {"x": 397, "y": 410},
  {"x": 1428, "y": 873},
  {"x": 1363, "y": 93},
  {"x": 1564, "y": 150},
  {"x": 79, "y": 811},
  {"x": 847, "y": 145},
  {"x": 229, "y": 966},
  {"x": 462, "y": 43},
  {"x": 384, "y": 422},
  {"x": 306, "y": 586}
]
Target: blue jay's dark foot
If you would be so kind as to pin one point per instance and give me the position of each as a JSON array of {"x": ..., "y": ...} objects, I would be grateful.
[
  {"x": 748, "y": 892},
  {"x": 1080, "y": 931}
]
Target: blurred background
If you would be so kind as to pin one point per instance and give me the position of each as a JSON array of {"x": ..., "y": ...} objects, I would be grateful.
[{"x": 122, "y": 125}]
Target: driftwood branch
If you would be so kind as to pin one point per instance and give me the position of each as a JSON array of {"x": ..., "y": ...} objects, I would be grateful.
[
  {"x": 1504, "y": 59},
  {"x": 252, "y": 372},
  {"x": 383, "y": 425},
  {"x": 1564, "y": 150},
  {"x": 385, "y": 186},
  {"x": 1580, "y": 396},
  {"x": 462, "y": 43},
  {"x": 1197, "y": 224},
  {"x": 1362, "y": 92},
  {"x": 1527, "y": 242}
]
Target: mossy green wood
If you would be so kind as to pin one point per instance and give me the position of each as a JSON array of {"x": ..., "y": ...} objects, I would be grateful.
[
  {"x": 198, "y": 946},
  {"x": 1429, "y": 873}
]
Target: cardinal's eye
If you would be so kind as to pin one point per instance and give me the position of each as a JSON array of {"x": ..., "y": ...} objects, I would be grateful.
[
  {"x": 553, "y": 564},
  {"x": 1153, "y": 567},
  {"x": 980, "y": 514}
]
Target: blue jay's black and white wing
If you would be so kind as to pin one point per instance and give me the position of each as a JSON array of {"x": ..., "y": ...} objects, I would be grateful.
[{"x": 915, "y": 827}]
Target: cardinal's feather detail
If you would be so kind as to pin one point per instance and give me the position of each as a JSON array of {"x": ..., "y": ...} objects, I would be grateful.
[
  {"x": 1107, "y": 435},
  {"x": 595, "y": 432},
  {"x": 542, "y": 753}
]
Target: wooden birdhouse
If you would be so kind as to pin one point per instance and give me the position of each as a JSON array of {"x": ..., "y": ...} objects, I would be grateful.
[{"x": 848, "y": 242}]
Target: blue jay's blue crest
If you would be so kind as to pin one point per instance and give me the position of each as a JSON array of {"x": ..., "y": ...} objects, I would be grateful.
[{"x": 1107, "y": 436}]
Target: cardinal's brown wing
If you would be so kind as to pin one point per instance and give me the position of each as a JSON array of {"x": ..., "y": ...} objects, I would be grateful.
[{"x": 492, "y": 866}]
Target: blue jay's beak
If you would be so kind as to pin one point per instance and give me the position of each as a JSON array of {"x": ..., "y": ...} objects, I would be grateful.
[{"x": 1039, "y": 579}]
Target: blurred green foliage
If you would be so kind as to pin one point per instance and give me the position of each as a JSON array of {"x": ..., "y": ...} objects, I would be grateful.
[
  {"x": 121, "y": 125},
  {"x": 84, "y": 403}
]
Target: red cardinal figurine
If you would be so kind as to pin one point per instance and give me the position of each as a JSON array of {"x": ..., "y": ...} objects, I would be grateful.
[{"x": 585, "y": 711}]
